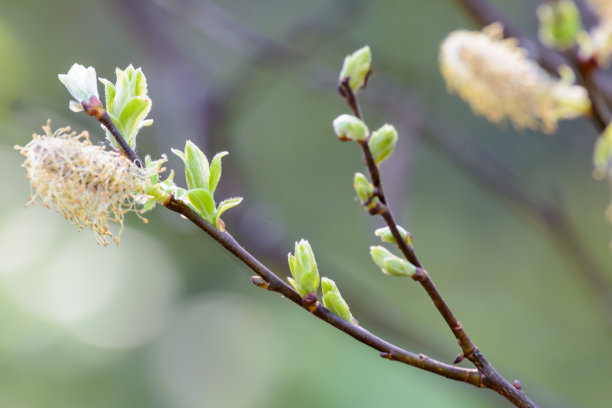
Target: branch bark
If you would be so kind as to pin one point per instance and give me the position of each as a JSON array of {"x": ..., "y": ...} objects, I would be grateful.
[
  {"x": 484, "y": 376},
  {"x": 491, "y": 377}
]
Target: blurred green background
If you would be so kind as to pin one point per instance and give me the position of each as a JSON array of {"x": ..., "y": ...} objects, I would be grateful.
[{"x": 168, "y": 319}]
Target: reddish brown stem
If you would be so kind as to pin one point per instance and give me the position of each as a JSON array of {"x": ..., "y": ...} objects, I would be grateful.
[
  {"x": 276, "y": 284},
  {"x": 484, "y": 376},
  {"x": 270, "y": 281},
  {"x": 490, "y": 377}
]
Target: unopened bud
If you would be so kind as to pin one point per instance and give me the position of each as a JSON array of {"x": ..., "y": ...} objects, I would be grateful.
[
  {"x": 349, "y": 127},
  {"x": 128, "y": 103},
  {"x": 332, "y": 299},
  {"x": 391, "y": 264},
  {"x": 386, "y": 235},
  {"x": 304, "y": 271},
  {"x": 363, "y": 187},
  {"x": 382, "y": 143},
  {"x": 357, "y": 67},
  {"x": 559, "y": 23}
]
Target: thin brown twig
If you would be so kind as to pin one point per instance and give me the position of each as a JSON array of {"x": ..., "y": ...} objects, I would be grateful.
[
  {"x": 94, "y": 108},
  {"x": 536, "y": 213},
  {"x": 491, "y": 377},
  {"x": 275, "y": 284},
  {"x": 586, "y": 70},
  {"x": 487, "y": 172},
  {"x": 501, "y": 183}
]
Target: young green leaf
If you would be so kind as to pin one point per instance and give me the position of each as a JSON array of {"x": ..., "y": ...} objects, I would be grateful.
[
  {"x": 179, "y": 154},
  {"x": 123, "y": 88},
  {"x": 132, "y": 116},
  {"x": 149, "y": 205},
  {"x": 226, "y": 205},
  {"x": 197, "y": 171},
  {"x": 215, "y": 172},
  {"x": 127, "y": 103},
  {"x": 332, "y": 299},
  {"x": 179, "y": 193},
  {"x": 110, "y": 93},
  {"x": 202, "y": 202}
]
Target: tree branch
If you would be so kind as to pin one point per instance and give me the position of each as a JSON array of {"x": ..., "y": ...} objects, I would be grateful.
[
  {"x": 491, "y": 377},
  {"x": 485, "y": 170},
  {"x": 275, "y": 284}
]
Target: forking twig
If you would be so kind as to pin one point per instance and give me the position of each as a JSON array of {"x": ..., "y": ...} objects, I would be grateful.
[
  {"x": 491, "y": 378},
  {"x": 488, "y": 173},
  {"x": 275, "y": 284},
  {"x": 484, "y": 376}
]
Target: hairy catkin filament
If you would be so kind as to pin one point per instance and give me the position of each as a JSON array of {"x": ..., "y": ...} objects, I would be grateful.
[{"x": 89, "y": 185}]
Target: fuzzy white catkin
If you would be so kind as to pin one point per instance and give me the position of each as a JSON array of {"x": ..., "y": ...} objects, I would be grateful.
[
  {"x": 598, "y": 43},
  {"x": 89, "y": 185},
  {"x": 603, "y": 8},
  {"x": 495, "y": 77}
]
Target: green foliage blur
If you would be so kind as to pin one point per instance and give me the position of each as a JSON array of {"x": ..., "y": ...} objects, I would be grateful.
[{"x": 168, "y": 319}]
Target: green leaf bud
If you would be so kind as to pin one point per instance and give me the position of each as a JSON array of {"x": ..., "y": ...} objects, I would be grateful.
[
  {"x": 349, "y": 127},
  {"x": 159, "y": 192},
  {"x": 303, "y": 269},
  {"x": 332, "y": 299},
  {"x": 382, "y": 143},
  {"x": 386, "y": 235},
  {"x": 559, "y": 24},
  {"x": 127, "y": 103},
  {"x": 363, "y": 187},
  {"x": 357, "y": 67},
  {"x": 202, "y": 179},
  {"x": 391, "y": 264}
]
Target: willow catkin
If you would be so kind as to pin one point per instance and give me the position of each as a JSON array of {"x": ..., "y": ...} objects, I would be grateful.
[
  {"x": 495, "y": 77},
  {"x": 89, "y": 185}
]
